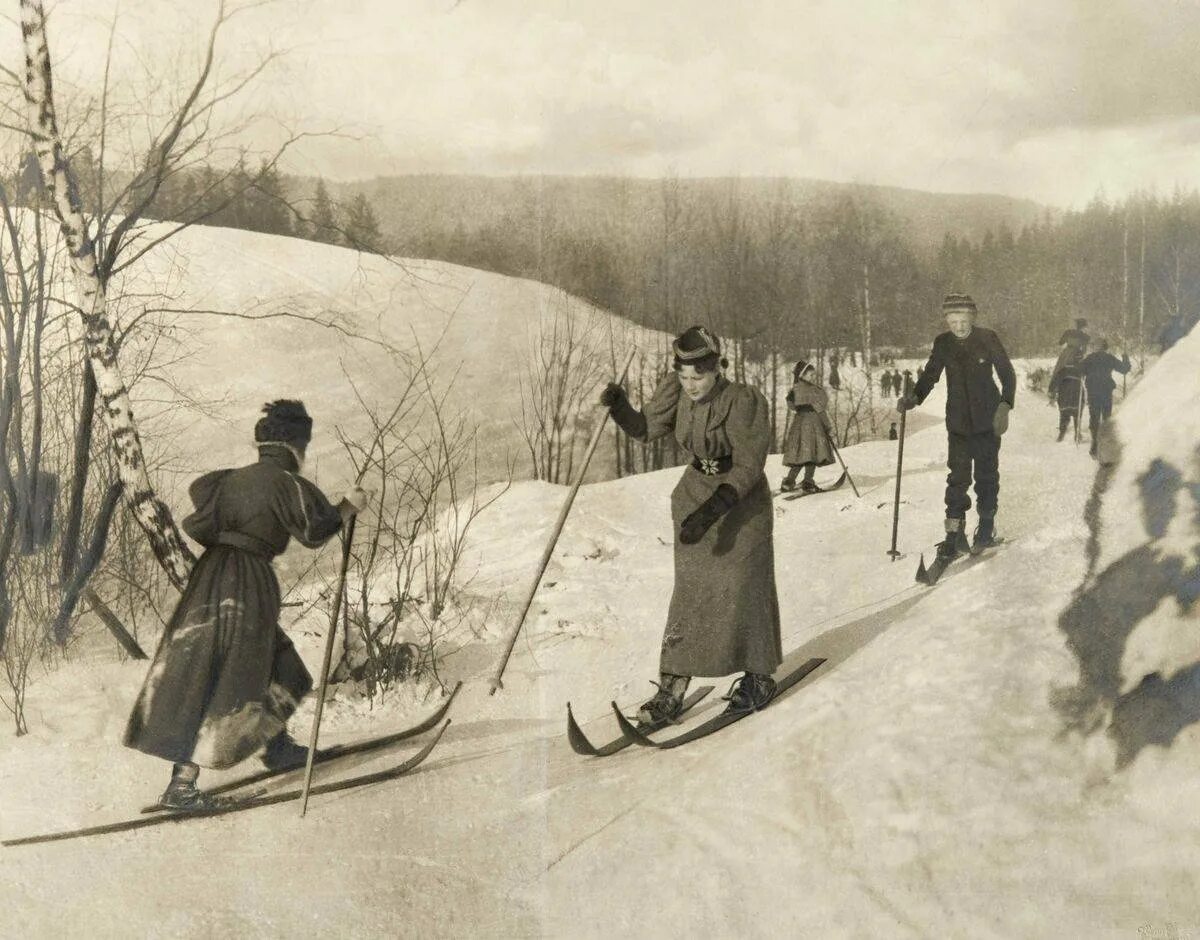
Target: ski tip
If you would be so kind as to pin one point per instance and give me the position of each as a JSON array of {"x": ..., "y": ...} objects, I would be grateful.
[
  {"x": 577, "y": 739},
  {"x": 629, "y": 729},
  {"x": 922, "y": 571}
]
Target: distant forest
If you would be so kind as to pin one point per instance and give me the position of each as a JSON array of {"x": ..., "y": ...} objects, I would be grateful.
[{"x": 781, "y": 267}]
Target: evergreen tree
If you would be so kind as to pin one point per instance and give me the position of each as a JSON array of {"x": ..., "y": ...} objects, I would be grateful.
[
  {"x": 322, "y": 224},
  {"x": 362, "y": 228}
]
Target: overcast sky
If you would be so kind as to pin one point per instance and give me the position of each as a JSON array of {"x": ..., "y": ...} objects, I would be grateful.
[{"x": 1053, "y": 100}]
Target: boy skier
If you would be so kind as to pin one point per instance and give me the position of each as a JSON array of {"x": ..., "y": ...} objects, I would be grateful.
[
  {"x": 976, "y": 417},
  {"x": 1098, "y": 368}
]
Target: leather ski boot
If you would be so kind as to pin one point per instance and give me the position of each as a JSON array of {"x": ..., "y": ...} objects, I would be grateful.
[
  {"x": 955, "y": 543},
  {"x": 283, "y": 753},
  {"x": 182, "y": 794},
  {"x": 667, "y": 703},
  {"x": 750, "y": 693},
  {"x": 985, "y": 534}
]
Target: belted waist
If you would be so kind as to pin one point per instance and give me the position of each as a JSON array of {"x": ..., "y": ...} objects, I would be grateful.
[
  {"x": 805, "y": 408},
  {"x": 247, "y": 543},
  {"x": 713, "y": 466}
]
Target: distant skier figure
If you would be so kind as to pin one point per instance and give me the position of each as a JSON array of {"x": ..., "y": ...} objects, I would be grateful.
[
  {"x": 807, "y": 444},
  {"x": 976, "y": 418},
  {"x": 1098, "y": 368},
  {"x": 226, "y": 678},
  {"x": 724, "y": 612},
  {"x": 1077, "y": 336},
  {"x": 908, "y": 383},
  {"x": 892, "y": 433},
  {"x": 835, "y": 381},
  {"x": 885, "y": 383},
  {"x": 1066, "y": 381}
]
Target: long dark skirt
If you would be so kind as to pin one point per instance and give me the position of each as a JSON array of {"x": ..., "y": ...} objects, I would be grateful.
[
  {"x": 806, "y": 441},
  {"x": 724, "y": 614},
  {"x": 225, "y": 678}
]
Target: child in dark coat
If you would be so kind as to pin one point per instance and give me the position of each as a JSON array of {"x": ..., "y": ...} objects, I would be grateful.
[
  {"x": 806, "y": 446},
  {"x": 976, "y": 417}
]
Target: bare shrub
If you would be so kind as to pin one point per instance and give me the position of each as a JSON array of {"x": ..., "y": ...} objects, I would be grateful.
[
  {"x": 404, "y": 601},
  {"x": 558, "y": 385}
]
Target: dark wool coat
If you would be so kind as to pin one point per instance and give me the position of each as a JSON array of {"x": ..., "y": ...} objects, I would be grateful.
[
  {"x": 724, "y": 613},
  {"x": 1065, "y": 381},
  {"x": 807, "y": 440},
  {"x": 225, "y": 678},
  {"x": 971, "y": 393},
  {"x": 1098, "y": 369}
]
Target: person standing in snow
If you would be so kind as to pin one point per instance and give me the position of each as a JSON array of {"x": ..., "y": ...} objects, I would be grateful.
[
  {"x": 806, "y": 446},
  {"x": 1066, "y": 381},
  {"x": 976, "y": 417},
  {"x": 835, "y": 381},
  {"x": 724, "y": 611},
  {"x": 1098, "y": 368},
  {"x": 226, "y": 678},
  {"x": 1077, "y": 336},
  {"x": 906, "y": 382}
]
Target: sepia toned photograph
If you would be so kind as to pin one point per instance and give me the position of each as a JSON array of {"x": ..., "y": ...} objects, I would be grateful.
[{"x": 547, "y": 469}]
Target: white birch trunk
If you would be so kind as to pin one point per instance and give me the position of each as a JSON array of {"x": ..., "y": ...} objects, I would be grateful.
[{"x": 150, "y": 512}]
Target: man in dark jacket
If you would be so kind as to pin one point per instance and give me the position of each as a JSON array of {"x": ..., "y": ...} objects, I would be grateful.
[
  {"x": 976, "y": 417},
  {"x": 1077, "y": 336},
  {"x": 1066, "y": 383},
  {"x": 1098, "y": 368}
]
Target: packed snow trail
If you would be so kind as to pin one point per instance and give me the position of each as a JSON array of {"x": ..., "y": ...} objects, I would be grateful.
[{"x": 916, "y": 785}]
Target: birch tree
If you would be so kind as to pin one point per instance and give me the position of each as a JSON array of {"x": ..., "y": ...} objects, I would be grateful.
[{"x": 147, "y": 508}]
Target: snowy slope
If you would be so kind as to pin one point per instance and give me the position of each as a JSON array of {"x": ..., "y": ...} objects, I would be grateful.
[
  {"x": 918, "y": 785},
  {"x": 476, "y": 326}
]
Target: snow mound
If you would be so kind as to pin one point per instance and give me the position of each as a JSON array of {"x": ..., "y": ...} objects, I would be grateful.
[{"x": 1133, "y": 622}]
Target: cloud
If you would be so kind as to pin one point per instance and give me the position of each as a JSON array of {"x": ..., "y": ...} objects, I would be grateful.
[{"x": 1031, "y": 99}]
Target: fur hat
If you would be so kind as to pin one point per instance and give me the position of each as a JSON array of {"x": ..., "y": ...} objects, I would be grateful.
[
  {"x": 1080, "y": 323},
  {"x": 958, "y": 303},
  {"x": 284, "y": 422},
  {"x": 802, "y": 366}
]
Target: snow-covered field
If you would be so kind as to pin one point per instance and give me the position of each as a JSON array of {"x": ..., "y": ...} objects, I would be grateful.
[
  {"x": 919, "y": 784},
  {"x": 255, "y": 317}
]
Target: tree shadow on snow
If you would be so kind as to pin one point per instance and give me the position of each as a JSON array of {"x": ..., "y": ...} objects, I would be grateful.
[{"x": 1108, "y": 607}]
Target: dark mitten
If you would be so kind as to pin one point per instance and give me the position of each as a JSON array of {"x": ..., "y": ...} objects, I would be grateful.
[
  {"x": 612, "y": 394},
  {"x": 692, "y": 529},
  {"x": 628, "y": 418}
]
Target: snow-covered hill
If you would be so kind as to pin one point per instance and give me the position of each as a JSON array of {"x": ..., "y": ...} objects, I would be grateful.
[
  {"x": 254, "y": 317},
  {"x": 919, "y": 784}
]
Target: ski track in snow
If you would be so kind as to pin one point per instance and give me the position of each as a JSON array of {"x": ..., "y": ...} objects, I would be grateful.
[{"x": 916, "y": 785}]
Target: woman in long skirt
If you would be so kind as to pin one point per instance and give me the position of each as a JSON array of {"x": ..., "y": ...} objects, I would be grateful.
[
  {"x": 226, "y": 678},
  {"x": 806, "y": 446},
  {"x": 724, "y": 613}
]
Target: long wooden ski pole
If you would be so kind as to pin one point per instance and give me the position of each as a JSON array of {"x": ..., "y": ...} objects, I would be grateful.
[
  {"x": 1079, "y": 412},
  {"x": 838, "y": 454},
  {"x": 347, "y": 539},
  {"x": 896, "y": 504},
  {"x": 511, "y": 640}
]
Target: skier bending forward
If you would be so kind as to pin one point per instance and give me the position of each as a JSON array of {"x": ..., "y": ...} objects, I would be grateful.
[
  {"x": 226, "y": 678},
  {"x": 976, "y": 417},
  {"x": 724, "y": 613}
]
